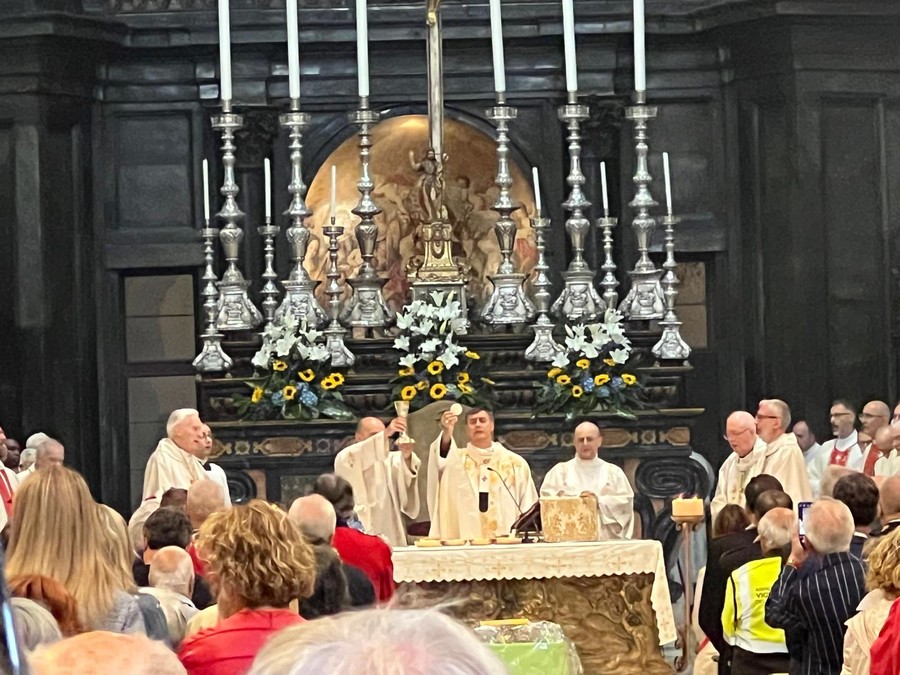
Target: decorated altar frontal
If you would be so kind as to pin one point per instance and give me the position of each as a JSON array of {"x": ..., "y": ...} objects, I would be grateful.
[{"x": 611, "y": 598}]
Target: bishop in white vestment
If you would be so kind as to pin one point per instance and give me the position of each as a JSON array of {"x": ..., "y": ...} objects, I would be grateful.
[
  {"x": 586, "y": 472},
  {"x": 385, "y": 484},
  {"x": 478, "y": 490}
]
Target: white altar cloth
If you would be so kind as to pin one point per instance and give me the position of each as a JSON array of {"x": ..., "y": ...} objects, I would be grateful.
[{"x": 543, "y": 561}]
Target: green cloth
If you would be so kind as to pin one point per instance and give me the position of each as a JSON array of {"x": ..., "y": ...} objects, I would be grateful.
[{"x": 529, "y": 658}]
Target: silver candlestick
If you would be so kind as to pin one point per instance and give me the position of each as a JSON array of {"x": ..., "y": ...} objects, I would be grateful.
[
  {"x": 299, "y": 296},
  {"x": 212, "y": 358},
  {"x": 671, "y": 345},
  {"x": 579, "y": 300},
  {"x": 334, "y": 333},
  {"x": 269, "y": 290},
  {"x": 366, "y": 308},
  {"x": 609, "y": 282},
  {"x": 508, "y": 304},
  {"x": 235, "y": 311},
  {"x": 645, "y": 299},
  {"x": 544, "y": 347}
]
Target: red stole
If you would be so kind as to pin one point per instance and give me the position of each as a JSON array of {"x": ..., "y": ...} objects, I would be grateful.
[
  {"x": 6, "y": 493},
  {"x": 874, "y": 455}
]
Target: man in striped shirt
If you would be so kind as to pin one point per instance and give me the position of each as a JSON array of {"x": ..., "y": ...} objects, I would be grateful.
[{"x": 818, "y": 590}]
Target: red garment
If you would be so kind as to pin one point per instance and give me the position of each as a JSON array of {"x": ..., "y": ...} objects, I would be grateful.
[
  {"x": 885, "y": 652},
  {"x": 6, "y": 494},
  {"x": 230, "y": 647},
  {"x": 839, "y": 457},
  {"x": 874, "y": 455},
  {"x": 370, "y": 554},
  {"x": 199, "y": 567}
]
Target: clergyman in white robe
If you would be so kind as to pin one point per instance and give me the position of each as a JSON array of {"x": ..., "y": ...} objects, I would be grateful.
[
  {"x": 384, "y": 486},
  {"x": 171, "y": 467},
  {"x": 614, "y": 494},
  {"x": 735, "y": 473}
]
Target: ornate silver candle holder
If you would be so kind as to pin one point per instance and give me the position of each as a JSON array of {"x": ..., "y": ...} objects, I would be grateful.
[
  {"x": 645, "y": 299},
  {"x": 609, "y": 281},
  {"x": 671, "y": 346},
  {"x": 212, "y": 358},
  {"x": 508, "y": 304},
  {"x": 299, "y": 290},
  {"x": 334, "y": 333},
  {"x": 579, "y": 301},
  {"x": 269, "y": 290},
  {"x": 235, "y": 311},
  {"x": 366, "y": 308},
  {"x": 544, "y": 347}
]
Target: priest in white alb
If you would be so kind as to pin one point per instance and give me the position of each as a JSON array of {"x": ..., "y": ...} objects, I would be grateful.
[
  {"x": 744, "y": 462},
  {"x": 478, "y": 490},
  {"x": 782, "y": 456},
  {"x": 842, "y": 450},
  {"x": 385, "y": 483},
  {"x": 586, "y": 472}
]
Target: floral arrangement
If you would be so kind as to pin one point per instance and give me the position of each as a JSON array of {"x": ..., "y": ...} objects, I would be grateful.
[
  {"x": 294, "y": 378},
  {"x": 433, "y": 365},
  {"x": 593, "y": 371}
]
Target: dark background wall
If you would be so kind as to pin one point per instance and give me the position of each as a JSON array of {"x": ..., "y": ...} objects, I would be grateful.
[{"x": 783, "y": 120}]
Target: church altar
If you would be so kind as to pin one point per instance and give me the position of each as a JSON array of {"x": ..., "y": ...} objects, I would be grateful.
[{"x": 611, "y": 597}]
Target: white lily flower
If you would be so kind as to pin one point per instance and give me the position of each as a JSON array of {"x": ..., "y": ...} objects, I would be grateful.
[
  {"x": 318, "y": 353},
  {"x": 457, "y": 324},
  {"x": 430, "y": 345},
  {"x": 402, "y": 343},
  {"x": 261, "y": 359},
  {"x": 590, "y": 350},
  {"x": 408, "y": 361},
  {"x": 284, "y": 345},
  {"x": 273, "y": 331},
  {"x": 578, "y": 330},
  {"x": 405, "y": 320},
  {"x": 569, "y": 332},
  {"x": 613, "y": 316},
  {"x": 561, "y": 360},
  {"x": 448, "y": 358},
  {"x": 620, "y": 356},
  {"x": 302, "y": 351},
  {"x": 426, "y": 327},
  {"x": 437, "y": 297}
]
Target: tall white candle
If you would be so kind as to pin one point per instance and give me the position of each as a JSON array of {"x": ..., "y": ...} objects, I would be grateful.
[
  {"x": 537, "y": 189},
  {"x": 603, "y": 189},
  {"x": 267, "y": 170},
  {"x": 668, "y": 183},
  {"x": 569, "y": 41},
  {"x": 497, "y": 47},
  {"x": 293, "y": 45},
  {"x": 333, "y": 203},
  {"x": 205, "y": 190},
  {"x": 640, "y": 57},
  {"x": 224, "y": 51},
  {"x": 362, "y": 47}
]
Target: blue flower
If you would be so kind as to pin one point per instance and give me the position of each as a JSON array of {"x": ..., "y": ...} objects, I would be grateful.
[
  {"x": 277, "y": 398},
  {"x": 588, "y": 384},
  {"x": 604, "y": 392},
  {"x": 617, "y": 383},
  {"x": 309, "y": 399}
]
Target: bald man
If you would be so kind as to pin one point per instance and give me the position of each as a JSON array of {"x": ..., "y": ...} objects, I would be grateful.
[
  {"x": 385, "y": 484},
  {"x": 586, "y": 472},
  {"x": 744, "y": 462},
  {"x": 782, "y": 457},
  {"x": 172, "y": 584}
]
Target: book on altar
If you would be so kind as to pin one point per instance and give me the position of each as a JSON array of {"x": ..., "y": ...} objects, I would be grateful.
[{"x": 571, "y": 518}]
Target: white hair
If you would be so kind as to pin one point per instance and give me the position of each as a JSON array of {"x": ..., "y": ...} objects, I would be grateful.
[
  {"x": 172, "y": 569},
  {"x": 26, "y": 458},
  {"x": 382, "y": 641},
  {"x": 315, "y": 517},
  {"x": 34, "y": 624},
  {"x": 177, "y": 417},
  {"x": 36, "y": 439},
  {"x": 775, "y": 528},
  {"x": 829, "y": 526}
]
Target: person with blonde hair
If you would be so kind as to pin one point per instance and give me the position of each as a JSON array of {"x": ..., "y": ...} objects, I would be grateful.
[
  {"x": 60, "y": 532},
  {"x": 883, "y": 586},
  {"x": 258, "y": 562},
  {"x": 103, "y": 653}
]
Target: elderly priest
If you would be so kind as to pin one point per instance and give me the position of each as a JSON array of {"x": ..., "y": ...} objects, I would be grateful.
[
  {"x": 478, "y": 490},
  {"x": 586, "y": 472}
]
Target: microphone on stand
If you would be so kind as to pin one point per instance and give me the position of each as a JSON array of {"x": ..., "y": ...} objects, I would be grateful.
[{"x": 526, "y": 539}]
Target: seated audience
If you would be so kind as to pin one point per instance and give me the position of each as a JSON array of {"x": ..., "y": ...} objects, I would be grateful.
[
  {"x": 260, "y": 563},
  {"x": 34, "y": 624},
  {"x": 401, "y": 642},
  {"x": 174, "y": 497},
  {"x": 103, "y": 653},
  {"x": 818, "y": 589},
  {"x": 330, "y": 594},
  {"x": 860, "y": 494},
  {"x": 172, "y": 583},
  {"x": 204, "y": 498},
  {"x": 51, "y": 594}
]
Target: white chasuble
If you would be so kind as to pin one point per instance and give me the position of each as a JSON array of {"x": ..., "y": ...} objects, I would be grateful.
[
  {"x": 384, "y": 487},
  {"x": 470, "y": 478},
  {"x": 614, "y": 494},
  {"x": 784, "y": 460},
  {"x": 171, "y": 467}
]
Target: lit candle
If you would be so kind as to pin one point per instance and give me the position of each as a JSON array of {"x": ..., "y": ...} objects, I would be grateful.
[
  {"x": 205, "y": 190},
  {"x": 362, "y": 48},
  {"x": 224, "y": 52},
  {"x": 603, "y": 189},
  {"x": 668, "y": 183},
  {"x": 267, "y": 170},
  {"x": 640, "y": 57},
  {"x": 569, "y": 38},
  {"x": 293, "y": 44},
  {"x": 497, "y": 47},
  {"x": 537, "y": 190},
  {"x": 333, "y": 211}
]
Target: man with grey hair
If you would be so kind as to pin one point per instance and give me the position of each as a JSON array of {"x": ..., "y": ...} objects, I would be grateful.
[
  {"x": 45, "y": 452},
  {"x": 819, "y": 589},
  {"x": 204, "y": 498},
  {"x": 182, "y": 457},
  {"x": 782, "y": 456},
  {"x": 172, "y": 583},
  {"x": 26, "y": 462}
]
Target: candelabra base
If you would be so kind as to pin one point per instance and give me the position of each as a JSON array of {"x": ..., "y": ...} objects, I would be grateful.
[
  {"x": 341, "y": 357},
  {"x": 212, "y": 358},
  {"x": 366, "y": 307},
  {"x": 579, "y": 300},
  {"x": 234, "y": 311},
  {"x": 544, "y": 348},
  {"x": 422, "y": 290},
  {"x": 671, "y": 346},
  {"x": 508, "y": 304},
  {"x": 300, "y": 302},
  {"x": 645, "y": 300}
]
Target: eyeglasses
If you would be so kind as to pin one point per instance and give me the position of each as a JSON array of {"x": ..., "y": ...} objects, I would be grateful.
[
  {"x": 844, "y": 414},
  {"x": 767, "y": 417}
]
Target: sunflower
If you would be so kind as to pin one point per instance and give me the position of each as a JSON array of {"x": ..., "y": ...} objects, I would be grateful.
[
  {"x": 279, "y": 366},
  {"x": 257, "y": 395},
  {"x": 462, "y": 378},
  {"x": 327, "y": 383},
  {"x": 601, "y": 379},
  {"x": 577, "y": 391},
  {"x": 583, "y": 363},
  {"x": 563, "y": 380},
  {"x": 472, "y": 355},
  {"x": 553, "y": 372},
  {"x": 438, "y": 391},
  {"x": 408, "y": 393},
  {"x": 609, "y": 362},
  {"x": 435, "y": 367},
  {"x": 466, "y": 388},
  {"x": 406, "y": 371},
  {"x": 307, "y": 375},
  {"x": 289, "y": 392},
  {"x": 421, "y": 384},
  {"x": 628, "y": 379},
  {"x": 338, "y": 379}
]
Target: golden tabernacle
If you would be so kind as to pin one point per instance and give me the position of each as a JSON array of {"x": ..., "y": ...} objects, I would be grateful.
[{"x": 570, "y": 518}]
